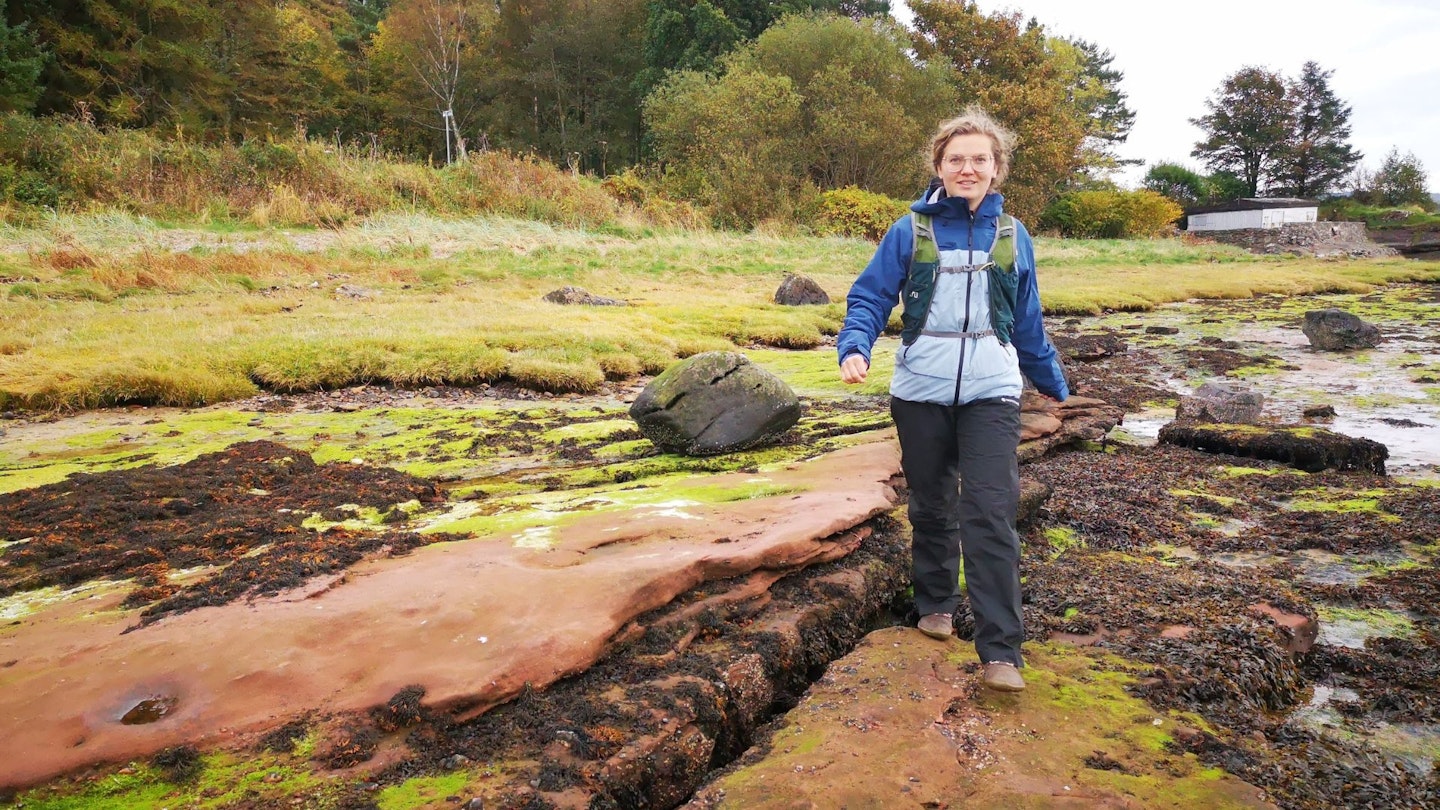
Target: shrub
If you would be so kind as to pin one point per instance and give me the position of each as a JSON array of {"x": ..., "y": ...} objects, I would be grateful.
[
  {"x": 627, "y": 187},
  {"x": 1110, "y": 214},
  {"x": 858, "y": 213},
  {"x": 1148, "y": 214}
]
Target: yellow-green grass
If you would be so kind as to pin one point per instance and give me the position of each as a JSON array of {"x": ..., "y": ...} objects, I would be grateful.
[{"x": 105, "y": 316}]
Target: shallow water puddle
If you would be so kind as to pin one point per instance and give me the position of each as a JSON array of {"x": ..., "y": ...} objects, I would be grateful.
[
  {"x": 1416, "y": 746},
  {"x": 1314, "y": 565},
  {"x": 1375, "y": 392}
]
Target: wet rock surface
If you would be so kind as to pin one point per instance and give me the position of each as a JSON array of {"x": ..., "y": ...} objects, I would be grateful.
[
  {"x": 903, "y": 722},
  {"x": 1159, "y": 558},
  {"x": 472, "y": 624},
  {"x": 241, "y": 512}
]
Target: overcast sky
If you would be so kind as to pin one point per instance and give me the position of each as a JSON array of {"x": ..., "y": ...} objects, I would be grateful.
[{"x": 1385, "y": 55}]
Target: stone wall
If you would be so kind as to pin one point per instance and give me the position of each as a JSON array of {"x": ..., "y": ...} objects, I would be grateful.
[{"x": 1305, "y": 239}]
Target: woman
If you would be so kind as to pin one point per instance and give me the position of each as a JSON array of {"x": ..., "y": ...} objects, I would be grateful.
[{"x": 971, "y": 327}]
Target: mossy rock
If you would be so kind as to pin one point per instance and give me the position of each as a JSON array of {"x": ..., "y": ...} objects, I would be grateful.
[
  {"x": 1306, "y": 448},
  {"x": 712, "y": 403}
]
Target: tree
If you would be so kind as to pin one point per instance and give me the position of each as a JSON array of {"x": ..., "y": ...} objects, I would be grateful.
[
  {"x": 1247, "y": 128},
  {"x": 566, "y": 80},
  {"x": 1401, "y": 181},
  {"x": 429, "y": 63},
  {"x": 1006, "y": 67},
  {"x": 132, "y": 62},
  {"x": 1176, "y": 182},
  {"x": 866, "y": 106},
  {"x": 728, "y": 142},
  {"x": 694, "y": 34},
  {"x": 282, "y": 69},
  {"x": 1317, "y": 156},
  {"x": 1094, "y": 87},
  {"x": 21, "y": 60},
  {"x": 815, "y": 101},
  {"x": 1223, "y": 186}
]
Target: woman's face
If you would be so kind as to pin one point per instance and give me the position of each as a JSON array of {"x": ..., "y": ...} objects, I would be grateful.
[{"x": 967, "y": 167}]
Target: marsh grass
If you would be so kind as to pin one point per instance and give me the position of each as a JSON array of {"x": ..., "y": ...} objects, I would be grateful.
[{"x": 97, "y": 311}]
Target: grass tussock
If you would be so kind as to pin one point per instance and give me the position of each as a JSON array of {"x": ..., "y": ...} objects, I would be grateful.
[
  {"x": 108, "y": 315},
  {"x": 68, "y": 166}
]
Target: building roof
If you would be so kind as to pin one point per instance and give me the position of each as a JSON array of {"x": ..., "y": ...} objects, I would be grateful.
[{"x": 1252, "y": 204}]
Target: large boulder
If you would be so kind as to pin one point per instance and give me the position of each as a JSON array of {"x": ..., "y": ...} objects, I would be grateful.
[
  {"x": 716, "y": 402},
  {"x": 1335, "y": 330},
  {"x": 797, "y": 290},
  {"x": 1222, "y": 401}
]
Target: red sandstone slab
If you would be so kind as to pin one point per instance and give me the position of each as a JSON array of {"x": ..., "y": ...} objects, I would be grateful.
[{"x": 473, "y": 622}]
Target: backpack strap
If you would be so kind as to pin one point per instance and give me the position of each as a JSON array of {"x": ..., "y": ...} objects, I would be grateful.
[
  {"x": 923, "y": 247},
  {"x": 1002, "y": 250}
]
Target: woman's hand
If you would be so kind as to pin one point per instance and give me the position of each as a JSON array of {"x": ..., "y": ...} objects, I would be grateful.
[{"x": 854, "y": 369}]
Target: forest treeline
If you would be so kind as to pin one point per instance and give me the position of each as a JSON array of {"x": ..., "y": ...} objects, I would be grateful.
[
  {"x": 732, "y": 111},
  {"x": 747, "y": 109}
]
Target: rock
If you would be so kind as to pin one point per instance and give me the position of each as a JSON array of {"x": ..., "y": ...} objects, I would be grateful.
[
  {"x": 797, "y": 290},
  {"x": 575, "y": 295},
  {"x": 1222, "y": 401},
  {"x": 1162, "y": 330},
  {"x": 1075, "y": 420},
  {"x": 1306, "y": 448},
  {"x": 1033, "y": 495},
  {"x": 1300, "y": 631},
  {"x": 1319, "y": 411},
  {"x": 352, "y": 291},
  {"x": 715, "y": 402},
  {"x": 1335, "y": 330},
  {"x": 1035, "y": 425},
  {"x": 1088, "y": 348}
]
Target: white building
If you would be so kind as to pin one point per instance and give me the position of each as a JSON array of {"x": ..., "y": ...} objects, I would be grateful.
[{"x": 1251, "y": 212}]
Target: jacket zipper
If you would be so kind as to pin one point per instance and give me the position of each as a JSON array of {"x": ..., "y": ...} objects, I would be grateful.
[{"x": 965, "y": 327}]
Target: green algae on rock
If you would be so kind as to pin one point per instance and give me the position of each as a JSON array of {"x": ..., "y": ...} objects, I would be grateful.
[{"x": 1307, "y": 448}]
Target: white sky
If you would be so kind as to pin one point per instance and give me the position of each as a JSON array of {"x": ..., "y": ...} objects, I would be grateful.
[{"x": 1385, "y": 55}]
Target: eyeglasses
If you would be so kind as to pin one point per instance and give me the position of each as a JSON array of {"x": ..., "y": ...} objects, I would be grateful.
[{"x": 957, "y": 162}]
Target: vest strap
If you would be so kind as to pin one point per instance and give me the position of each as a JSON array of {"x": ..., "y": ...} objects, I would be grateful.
[{"x": 980, "y": 334}]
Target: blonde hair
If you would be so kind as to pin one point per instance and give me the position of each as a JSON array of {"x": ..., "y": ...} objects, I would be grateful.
[{"x": 975, "y": 121}]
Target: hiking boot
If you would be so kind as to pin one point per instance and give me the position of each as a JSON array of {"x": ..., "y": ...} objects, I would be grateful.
[
  {"x": 1003, "y": 676},
  {"x": 937, "y": 625}
]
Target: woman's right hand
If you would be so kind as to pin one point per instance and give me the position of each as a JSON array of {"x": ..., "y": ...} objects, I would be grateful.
[{"x": 854, "y": 369}]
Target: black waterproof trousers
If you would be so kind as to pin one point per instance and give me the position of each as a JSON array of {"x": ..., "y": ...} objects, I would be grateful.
[{"x": 964, "y": 480}]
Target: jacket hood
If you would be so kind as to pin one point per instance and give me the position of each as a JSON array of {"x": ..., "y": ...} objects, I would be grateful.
[{"x": 937, "y": 203}]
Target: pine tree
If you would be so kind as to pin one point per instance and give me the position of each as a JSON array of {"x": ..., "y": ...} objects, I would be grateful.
[
  {"x": 1318, "y": 156},
  {"x": 1247, "y": 128},
  {"x": 1094, "y": 86},
  {"x": 21, "y": 61}
]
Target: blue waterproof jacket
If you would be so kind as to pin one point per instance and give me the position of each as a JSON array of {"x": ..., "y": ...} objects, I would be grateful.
[{"x": 954, "y": 361}]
